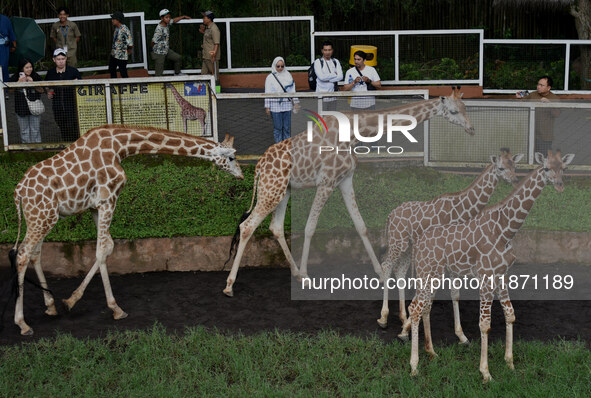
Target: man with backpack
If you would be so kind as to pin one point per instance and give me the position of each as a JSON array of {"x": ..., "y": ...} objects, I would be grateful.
[{"x": 328, "y": 73}]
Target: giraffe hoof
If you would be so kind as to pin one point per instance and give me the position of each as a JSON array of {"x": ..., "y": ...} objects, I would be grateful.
[
  {"x": 486, "y": 378},
  {"x": 414, "y": 373},
  {"x": 465, "y": 342},
  {"x": 229, "y": 292},
  {"x": 119, "y": 314},
  {"x": 383, "y": 324},
  {"x": 67, "y": 304},
  {"x": 51, "y": 311},
  {"x": 27, "y": 332},
  {"x": 403, "y": 337}
]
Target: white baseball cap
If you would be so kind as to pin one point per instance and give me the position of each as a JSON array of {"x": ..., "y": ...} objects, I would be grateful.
[
  {"x": 59, "y": 51},
  {"x": 163, "y": 12}
]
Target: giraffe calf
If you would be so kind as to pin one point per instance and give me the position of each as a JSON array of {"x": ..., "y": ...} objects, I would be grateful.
[{"x": 479, "y": 248}]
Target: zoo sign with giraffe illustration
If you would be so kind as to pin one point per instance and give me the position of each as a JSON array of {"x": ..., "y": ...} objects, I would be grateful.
[{"x": 177, "y": 106}]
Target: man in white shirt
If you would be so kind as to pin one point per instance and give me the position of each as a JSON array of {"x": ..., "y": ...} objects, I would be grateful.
[
  {"x": 359, "y": 78},
  {"x": 328, "y": 72}
]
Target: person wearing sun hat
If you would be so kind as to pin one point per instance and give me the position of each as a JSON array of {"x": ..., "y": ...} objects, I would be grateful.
[
  {"x": 211, "y": 45},
  {"x": 161, "y": 50},
  {"x": 122, "y": 45}
]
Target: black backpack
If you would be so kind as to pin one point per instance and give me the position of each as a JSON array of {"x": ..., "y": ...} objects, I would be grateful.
[{"x": 312, "y": 75}]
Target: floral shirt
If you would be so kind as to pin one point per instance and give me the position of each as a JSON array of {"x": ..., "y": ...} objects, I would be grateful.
[
  {"x": 160, "y": 39},
  {"x": 122, "y": 39}
]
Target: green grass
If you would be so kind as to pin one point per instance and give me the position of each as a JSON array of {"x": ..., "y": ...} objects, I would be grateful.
[
  {"x": 168, "y": 196},
  {"x": 208, "y": 363}
]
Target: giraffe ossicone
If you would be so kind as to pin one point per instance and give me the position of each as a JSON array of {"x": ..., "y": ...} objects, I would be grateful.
[
  {"x": 88, "y": 175},
  {"x": 480, "y": 248},
  {"x": 296, "y": 163}
]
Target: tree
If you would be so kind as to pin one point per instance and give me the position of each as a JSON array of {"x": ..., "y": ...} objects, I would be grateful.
[{"x": 581, "y": 11}]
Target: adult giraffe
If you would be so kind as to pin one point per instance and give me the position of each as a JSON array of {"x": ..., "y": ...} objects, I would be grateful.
[
  {"x": 88, "y": 175},
  {"x": 297, "y": 163},
  {"x": 480, "y": 248}
]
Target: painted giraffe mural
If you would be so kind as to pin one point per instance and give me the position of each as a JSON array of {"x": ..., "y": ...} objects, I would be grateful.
[
  {"x": 480, "y": 248},
  {"x": 408, "y": 221},
  {"x": 88, "y": 175},
  {"x": 188, "y": 110},
  {"x": 296, "y": 163}
]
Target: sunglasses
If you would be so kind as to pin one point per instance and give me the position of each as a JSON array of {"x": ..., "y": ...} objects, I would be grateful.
[{"x": 280, "y": 66}]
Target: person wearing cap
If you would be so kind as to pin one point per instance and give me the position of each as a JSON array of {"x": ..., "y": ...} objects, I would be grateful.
[
  {"x": 211, "y": 45},
  {"x": 122, "y": 46},
  {"x": 64, "y": 97},
  {"x": 161, "y": 50},
  {"x": 66, "y": 35}
]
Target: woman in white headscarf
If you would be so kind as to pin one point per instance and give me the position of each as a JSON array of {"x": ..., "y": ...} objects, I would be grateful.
[{"x": 280, "y": 81}]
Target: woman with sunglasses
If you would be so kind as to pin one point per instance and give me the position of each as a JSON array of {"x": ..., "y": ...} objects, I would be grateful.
[{"x": 280, "y": 81}]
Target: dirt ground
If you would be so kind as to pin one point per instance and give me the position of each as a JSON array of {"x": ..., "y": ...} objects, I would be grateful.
[{"x": 262, "y": 301}]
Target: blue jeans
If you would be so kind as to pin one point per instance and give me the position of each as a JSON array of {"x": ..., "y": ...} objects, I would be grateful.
[
  {"x": 30, "y": 132},
  {"x": 281, "y": 125}
]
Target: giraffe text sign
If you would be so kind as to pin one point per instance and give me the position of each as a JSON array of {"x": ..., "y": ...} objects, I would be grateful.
[{"x": 366, "y": 128}]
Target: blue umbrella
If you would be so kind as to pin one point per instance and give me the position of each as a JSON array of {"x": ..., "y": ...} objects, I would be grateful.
[{"x": 30, "y": 40}]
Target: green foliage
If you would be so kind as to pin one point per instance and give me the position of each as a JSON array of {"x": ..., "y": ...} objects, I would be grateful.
[
  {"x": 518, "y": 74},
  {"x": 441, "y": 69},
  {"x": 168, "y": 196},
  {"x": 201, "y": 362}
]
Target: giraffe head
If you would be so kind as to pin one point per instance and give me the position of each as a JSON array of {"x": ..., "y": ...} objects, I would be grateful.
[
  {"x": 504, "y": 165},
  {"x": 224, "y": 157},
  {"x": 553, "y": 166},
  {"x": 454, "y": 110}
]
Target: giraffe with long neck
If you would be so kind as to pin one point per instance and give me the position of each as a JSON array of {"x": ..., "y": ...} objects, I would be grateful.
[
  {"x": 88, "y": 175},
  {"x": 188, "y": 110},
  {"x": 407, "y": 222},
  {"x": 298, "y": 163},
  {"x": 480, "y": 248}
]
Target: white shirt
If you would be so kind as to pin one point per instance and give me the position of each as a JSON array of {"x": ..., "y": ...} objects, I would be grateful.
[
  {"x": 279, "y": 104},
  {"x": 351, "y": 75},
  {"x": 326, "y": 75}
]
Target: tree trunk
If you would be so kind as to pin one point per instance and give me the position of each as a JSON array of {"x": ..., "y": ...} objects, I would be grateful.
[{"x": 581, "y": 11}]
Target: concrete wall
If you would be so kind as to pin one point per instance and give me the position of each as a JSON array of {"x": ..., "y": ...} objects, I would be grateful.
[{"x": 210, "y": 253}]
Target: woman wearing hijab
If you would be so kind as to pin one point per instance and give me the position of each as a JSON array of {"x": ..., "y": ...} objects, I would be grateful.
[{"x": 280, "y": 81}]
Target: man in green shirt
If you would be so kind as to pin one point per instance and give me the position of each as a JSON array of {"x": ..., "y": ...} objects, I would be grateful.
[
  {"x": 211, "y": 45},
  {"x": 66, "y": 35},
  {"x": 161, "y": 50}
]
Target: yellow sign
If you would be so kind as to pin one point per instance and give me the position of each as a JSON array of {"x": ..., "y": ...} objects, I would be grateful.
[{"x": 178, "y": 106}]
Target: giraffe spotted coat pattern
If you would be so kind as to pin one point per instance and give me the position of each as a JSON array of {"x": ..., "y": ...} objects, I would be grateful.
[{"x": 88, "y": 175}]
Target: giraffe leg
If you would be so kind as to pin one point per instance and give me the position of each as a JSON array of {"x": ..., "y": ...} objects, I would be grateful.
[
  {"x": 427, "y": 328},
  {"x": 503, "y": 295},
  {"x": 348, "y": 193},
  {"x": 37, "y": 229},
  {"x": 322, "y": 194},
  {"x": 415, "y": 311},
  {"x": 47, "y": 297},
  {"x": 247, "y": 228},
  {"x": 277, "y": 227},
  {"x": 455, "y": 296},
  {"x": 401, "y": 268},
  {"x": 387, "y": 271},
  {"x": 486, "y": 299},
  {"x": 79, "y": 292}
]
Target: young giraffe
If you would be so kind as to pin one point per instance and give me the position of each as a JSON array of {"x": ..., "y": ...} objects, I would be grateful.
[
  {"x": 188, "y": 110},
  {"x": 88, "y": 175},
  {"x": 296, "y": 163},
  {"x": 480, "y": 248},
  {"x": 408, "y": 221}
]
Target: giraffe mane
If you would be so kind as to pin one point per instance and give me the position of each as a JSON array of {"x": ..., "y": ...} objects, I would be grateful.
[
  {"x": 153, "y": 130},
  {"x": 515, "y": 189}
]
